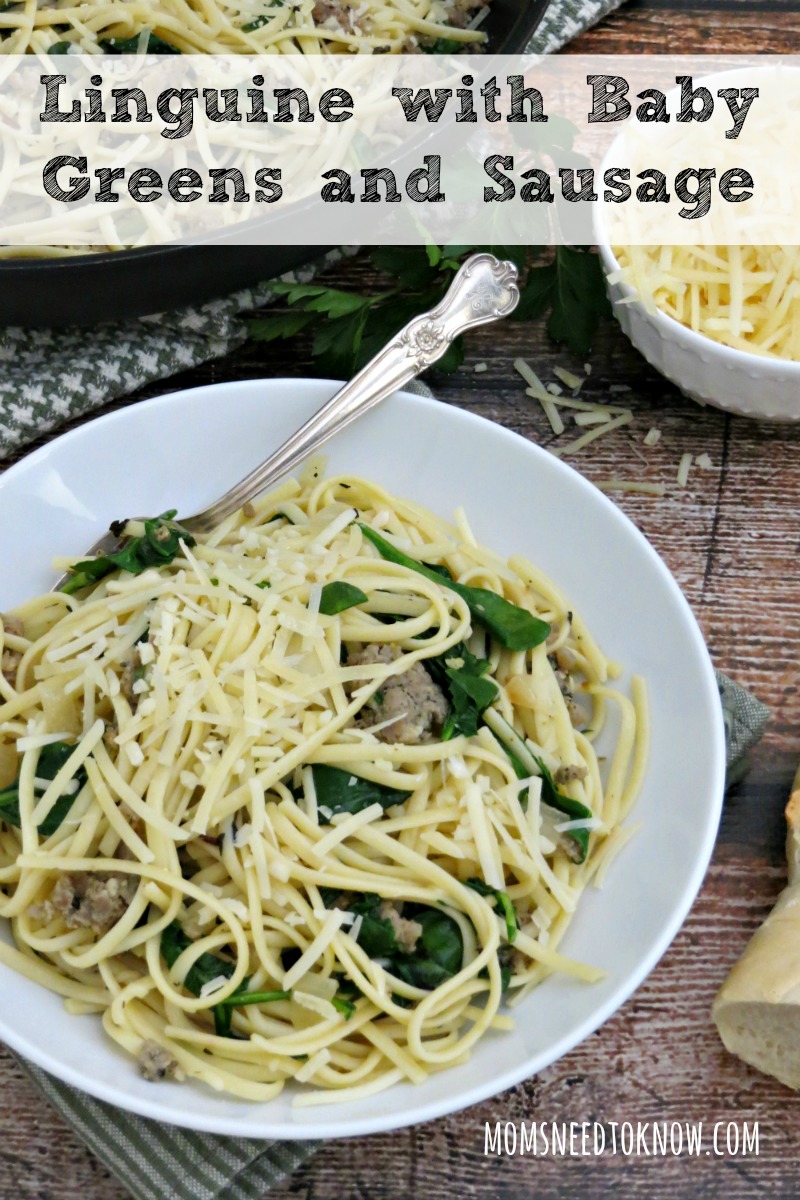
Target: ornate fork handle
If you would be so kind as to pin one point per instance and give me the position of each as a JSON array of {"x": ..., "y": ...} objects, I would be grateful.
[{"x": 483, "y": 290}]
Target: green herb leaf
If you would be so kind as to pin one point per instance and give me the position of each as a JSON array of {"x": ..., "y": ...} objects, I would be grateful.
[
  {"x": 280, "y": 325},
  {"x": 468, "y": 692},
  {"x": 345, "y": 1007},
  {"x": 262, "y": 20},
  {"x": 59, "y": 47},
  {"x": 343, "y": 792},
  {"x": 503, "y": 902},
  {"x": 443, "y": 46},
  {"x": 339, "y": 596},
  {"x": 157, "y": 546},
  {"x": 438, "y": 954},
  {"x": 570, "y": 287},
  {"x": 570, "y": 808},
  {"x": 513, "y": 627},
  {"x": 573, "y": 287},
  {"x": 207, "y": 967},
  {"x": 51, "y": 760},
  {"x": 223, "y": 1012}
]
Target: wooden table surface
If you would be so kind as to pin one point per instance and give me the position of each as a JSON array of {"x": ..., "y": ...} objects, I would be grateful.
[{"x": 731, "y": 540}]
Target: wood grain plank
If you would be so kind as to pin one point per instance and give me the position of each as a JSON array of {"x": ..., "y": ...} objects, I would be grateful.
[{"x": 735, "y": 28}]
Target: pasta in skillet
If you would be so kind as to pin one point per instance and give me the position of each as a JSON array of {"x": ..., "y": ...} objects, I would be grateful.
[
  {"x": 308, "y": 799},
  {"x": 240, "y": 26}
]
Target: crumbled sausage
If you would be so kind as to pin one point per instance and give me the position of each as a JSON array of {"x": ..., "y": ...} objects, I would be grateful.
[
  {"x": 407, "y": 932},
  {"x": 566, "y": 684},
  {"x": 570, "y": 774},
  {"x": 156, "y": 1063},
  {"x": 462, "y": 13},
  {"x": 90, "y": 900},
  {"x": 415, "y": 705},
  {"x": 11, "y": 658},
  {"x": 132, "y": 672},
  {"x": 333, "y": 12}
]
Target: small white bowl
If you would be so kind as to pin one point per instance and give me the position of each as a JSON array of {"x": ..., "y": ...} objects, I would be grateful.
[{"x": 705, "y": 370}]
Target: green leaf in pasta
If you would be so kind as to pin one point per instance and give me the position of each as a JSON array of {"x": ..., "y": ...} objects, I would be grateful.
[
  {"x": 342, "y": 792},
  {"x": 512, "y": 626},
  {"x": 156, "y": 547},
  {"x": 338, "y": 596},
  {"x": 51, "y": 760},
  {"x": 154, "y": 45},
  {"x": 573, "y": 809},
  {"x": 437, "y": 955},
  {"x": 502, "y": 901},
  {"x": 462, "y": 677}
]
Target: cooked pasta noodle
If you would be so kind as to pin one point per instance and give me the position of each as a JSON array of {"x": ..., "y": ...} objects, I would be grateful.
[{"x": 247, "y": 825}]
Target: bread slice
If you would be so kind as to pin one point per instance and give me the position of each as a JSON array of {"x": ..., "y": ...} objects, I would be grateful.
[{"x": 757, "y": 1010}]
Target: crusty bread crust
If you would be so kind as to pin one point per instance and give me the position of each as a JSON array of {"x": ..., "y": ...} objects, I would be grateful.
[{"x": 757, "y": 1010}]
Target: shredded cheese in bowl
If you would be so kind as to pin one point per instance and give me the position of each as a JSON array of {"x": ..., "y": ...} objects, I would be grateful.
[{"x": 746, "y": 297}]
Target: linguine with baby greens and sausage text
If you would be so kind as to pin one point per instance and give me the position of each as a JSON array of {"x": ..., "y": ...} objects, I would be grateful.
[{"x": 311, "y": 799}]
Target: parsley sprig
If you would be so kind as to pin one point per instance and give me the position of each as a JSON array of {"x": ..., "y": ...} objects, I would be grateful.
[{"x": 565, "y": 285}]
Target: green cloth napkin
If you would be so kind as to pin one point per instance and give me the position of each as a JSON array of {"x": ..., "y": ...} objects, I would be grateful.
[{"x": 48, "y": 377}]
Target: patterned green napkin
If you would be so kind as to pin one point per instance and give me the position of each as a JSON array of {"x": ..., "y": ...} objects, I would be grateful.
[{"x": 48, "y": 377}]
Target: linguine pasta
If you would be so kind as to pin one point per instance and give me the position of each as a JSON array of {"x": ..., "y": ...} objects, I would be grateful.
[
  {"x": 240, "y": 26},
  {"x": 288, "y": 808}
]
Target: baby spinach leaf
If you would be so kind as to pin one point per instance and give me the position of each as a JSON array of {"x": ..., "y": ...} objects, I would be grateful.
[
  {"x": 468, "y": 692},
  {"x": 223, "y": 1012},
  {"x": 443, "y": 46},
  {"x": 437, "y": 955},
  {"x": 504, "y": 953},
  {"x": 570, "y": 808},
  {"x": 59, "y": 47},
  {"x": 51, "y": 760},
  {"x": 338, "y": 596},
  {"x": 207, "y": 967},
  {"x": 502, "y": 901},
  {"x": 157, "y": 546},
  {"x": 343, "y": 792},
  {"x": 512, "y": 626}
]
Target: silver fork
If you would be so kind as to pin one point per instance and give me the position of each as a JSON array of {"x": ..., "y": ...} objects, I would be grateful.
[{"x": 483, "y": 290}]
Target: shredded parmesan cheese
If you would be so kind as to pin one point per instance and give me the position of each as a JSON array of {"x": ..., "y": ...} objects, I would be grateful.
[
  {"x": 683, "y": 470},
  {"x": 630, "y": 485}
]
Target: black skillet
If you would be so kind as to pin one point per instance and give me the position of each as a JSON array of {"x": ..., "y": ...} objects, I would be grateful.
[{"x": 88, "y": 289}]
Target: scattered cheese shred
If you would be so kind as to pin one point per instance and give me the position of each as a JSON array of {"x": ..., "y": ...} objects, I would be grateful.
[
  {"x": 630, "y": 485},
  {"x": 652, "y": 437},
  {"x": 310, "y": 1068},
  {"x": 593, "y": 434},
  {"x": 568, "y": 379},
  {"x": 591, "y": 418},
  {"x": 683, "y": 470}
]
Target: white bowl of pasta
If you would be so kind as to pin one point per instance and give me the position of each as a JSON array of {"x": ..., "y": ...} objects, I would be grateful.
[{"x": 252, "y": 786}]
